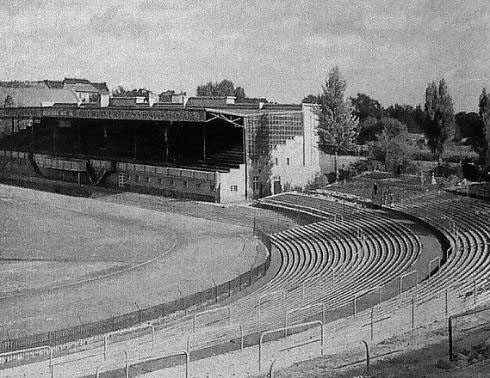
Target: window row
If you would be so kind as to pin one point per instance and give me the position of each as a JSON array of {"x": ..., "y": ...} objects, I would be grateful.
[{"x": 171, "y": 182}]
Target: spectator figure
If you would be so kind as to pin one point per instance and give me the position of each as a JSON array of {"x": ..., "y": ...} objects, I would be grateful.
[{"x": 433, "y": 180}]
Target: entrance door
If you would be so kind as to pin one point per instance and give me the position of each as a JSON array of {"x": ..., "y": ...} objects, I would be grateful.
[{"x": 277, "y": 186}]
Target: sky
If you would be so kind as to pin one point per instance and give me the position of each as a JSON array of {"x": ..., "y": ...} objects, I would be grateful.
[{"x": 281, "y": 50}]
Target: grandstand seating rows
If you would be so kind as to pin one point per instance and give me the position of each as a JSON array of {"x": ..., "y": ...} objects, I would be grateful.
[{"x": 335, "y": 260}]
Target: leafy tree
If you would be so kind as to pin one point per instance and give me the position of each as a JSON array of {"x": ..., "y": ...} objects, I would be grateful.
[
  {"x": 484, "y": 113},
  {"x": 240, "y": 94},
  {"x": 470, "y": 126},
  {"x": 439, "y": 125},
  {"x": 414, "y": 118},
  {"x": 365, "y": 106},
  {"x": 369, "y": 128},
  {"x": 121, "y": 92},
  {"x": 312, "y": 99},
  {"x": 391, "y": 145},
  {"x": 223, "y": 88},
  {"x": 337, "y": 126},
  {"x": 9, "y": 102}
]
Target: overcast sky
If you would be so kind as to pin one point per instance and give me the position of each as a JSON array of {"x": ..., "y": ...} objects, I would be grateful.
[{"x": 281, "y": 50}]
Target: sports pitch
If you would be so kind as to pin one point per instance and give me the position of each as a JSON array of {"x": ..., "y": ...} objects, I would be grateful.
[{"x": 66, "y": 261}]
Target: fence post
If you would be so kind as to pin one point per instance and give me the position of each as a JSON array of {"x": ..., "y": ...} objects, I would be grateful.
[
  {"x": 354, "y": 306},
  {"x": 474, "y": 292},
  {"x": 367, "y": 355},
  {"x": 446, "y": 301},
  {"x": 51, "y": 366},
  {"x": 241, "y": 336},
  {"x": 187, "y": 363},
  {"x": 450, "y": 332},
  {"x": 413, "y": 313},
  {"x": 126, "y": 353},
  {"x": 152, "y": 337},
  {"x": 271, "y": 369},
  {"x": 372, "y": 323}
]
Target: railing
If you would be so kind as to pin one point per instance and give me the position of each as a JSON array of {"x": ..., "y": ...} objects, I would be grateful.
[{"x": 184, "y": 304}]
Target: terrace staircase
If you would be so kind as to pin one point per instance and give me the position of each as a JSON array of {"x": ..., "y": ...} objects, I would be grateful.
[{"x": 231, "y": 158}]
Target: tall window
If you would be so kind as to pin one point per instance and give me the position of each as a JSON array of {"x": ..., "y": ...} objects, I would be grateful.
[{"x": 256, "y": 183}]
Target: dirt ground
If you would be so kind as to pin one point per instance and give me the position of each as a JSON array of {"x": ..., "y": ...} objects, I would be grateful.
[
  {"x": 121, "y": 258},
  {"x": 422, "y": 353}
]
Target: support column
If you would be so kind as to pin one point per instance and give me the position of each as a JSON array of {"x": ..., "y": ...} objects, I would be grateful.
[
  {"x": 165, "y": 141},
  {"x": 33, "y": 137},
  {"x": 135, "y": 143},
  {"x": 204, "y": 142},
  {"x": 244, "y": 149},
  {"x": 79, "y": 137},
  {"x": 55, "y": 131}
]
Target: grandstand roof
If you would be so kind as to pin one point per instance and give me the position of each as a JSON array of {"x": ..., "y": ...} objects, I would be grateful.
[{"x": 36, "y": 96}]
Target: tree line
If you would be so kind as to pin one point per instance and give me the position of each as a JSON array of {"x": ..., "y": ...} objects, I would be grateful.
[{"x": 361, "y": 120}]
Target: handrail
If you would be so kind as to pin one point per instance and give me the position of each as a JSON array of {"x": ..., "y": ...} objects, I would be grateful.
[
  {"x": 44, "y": 347},
  {"x": 271, "y": 294},
  {"x": 127, "y": 330},
  {"x": 210, "y": 311},
  {"x": 316, "y": 322},
  {"x": 450, "y": 326},
  {"x": 231, "y": 326},
  {"x": 127, "y": 362},
  {"x": 322, "y": 304}
]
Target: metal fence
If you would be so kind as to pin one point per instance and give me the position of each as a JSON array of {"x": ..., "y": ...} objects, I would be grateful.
[
  {"x": 405, "y": 311},
  {"x": 468, "y": 332},
  {"x": 185, "y": 304}
]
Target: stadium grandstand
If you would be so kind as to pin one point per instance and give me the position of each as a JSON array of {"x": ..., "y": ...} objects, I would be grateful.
[{"x": 206, "y": 148}]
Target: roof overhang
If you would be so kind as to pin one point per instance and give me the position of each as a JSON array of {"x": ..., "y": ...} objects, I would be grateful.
[{"x": 140, "y": 114}]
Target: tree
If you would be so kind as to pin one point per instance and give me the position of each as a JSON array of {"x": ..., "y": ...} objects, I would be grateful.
[
  {"x": 312, "y": 99},
  {"x": 136, "y": 92},
  {"x": 365, "y": 106},
  {"x": 9, "y": 102},
  {"x": 440, "y": 124},
  {"x": 223, "y": 88},
  {"x": 119, "y": 91},
  {"x": 414, "y": 118},
  {"x": 337, "y": 126},
  {"x": 369, "y": 128},
  {"x": 484, "y": 113},
  {"x": 391, "y": 145},
  {"x": 470, "y": 126},
  {"x": 369, "y": 111}
]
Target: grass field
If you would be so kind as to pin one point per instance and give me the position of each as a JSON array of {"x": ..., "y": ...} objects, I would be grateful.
[{"x": 66, "y": 260}]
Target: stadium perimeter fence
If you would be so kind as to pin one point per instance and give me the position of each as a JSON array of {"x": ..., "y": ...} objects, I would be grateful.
[
  {"x": 403, "y": 312},
  {"x": 184, "y": 305}
]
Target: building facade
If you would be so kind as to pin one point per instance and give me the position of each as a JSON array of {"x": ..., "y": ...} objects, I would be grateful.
[{"x": 225, "y": 153}]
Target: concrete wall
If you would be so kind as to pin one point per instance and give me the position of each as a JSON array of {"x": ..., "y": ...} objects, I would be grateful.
[
  {"x": 232, "y": 185},
  {"x": 169, "y": 181},
  {"x": 327, "y": 162},
  {"x": 297, "y": 161}
]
